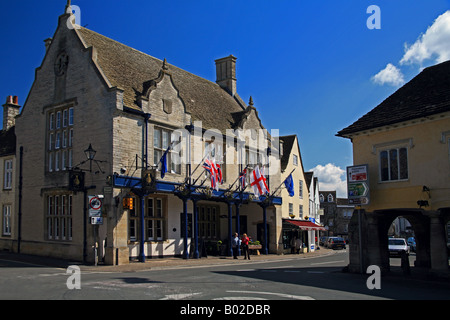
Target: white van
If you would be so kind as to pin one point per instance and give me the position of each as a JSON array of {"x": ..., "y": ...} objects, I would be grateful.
[{"x": 397, "y": 246}]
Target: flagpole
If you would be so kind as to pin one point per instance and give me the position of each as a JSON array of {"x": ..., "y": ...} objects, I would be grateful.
[
  {"x": 164, "y": 154},
  {"x": 282, "y": 183},
  {"x": 237, "y": 179}
]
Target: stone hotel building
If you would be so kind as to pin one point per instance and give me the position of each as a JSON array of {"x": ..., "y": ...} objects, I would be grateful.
[{"x": 97, "y": 121}]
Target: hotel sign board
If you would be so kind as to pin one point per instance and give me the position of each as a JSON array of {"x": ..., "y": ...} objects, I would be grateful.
[{"x": 358, "y": 185}]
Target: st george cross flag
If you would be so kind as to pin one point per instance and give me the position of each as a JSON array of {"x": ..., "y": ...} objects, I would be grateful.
[
  {"x": 258, "y": 182},
  {"x": 289, "y": 183}
]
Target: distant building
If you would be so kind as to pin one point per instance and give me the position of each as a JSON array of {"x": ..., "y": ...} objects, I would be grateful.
[
  {"x": 8, "y": 176},
  {"x": 336, "y": 213}
]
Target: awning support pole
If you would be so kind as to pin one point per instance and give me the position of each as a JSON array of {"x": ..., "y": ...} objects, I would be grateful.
[
  {"x": 195, "y": 229},
  {"x": 230, "y": 228},
  {"x": 238, "y": 225},
  {"x": 265, "y": 248},
  {"x": 186, "y": 231}
]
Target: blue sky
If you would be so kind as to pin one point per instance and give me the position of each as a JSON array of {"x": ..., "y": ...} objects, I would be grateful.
[{"x": 310, "y": 66}]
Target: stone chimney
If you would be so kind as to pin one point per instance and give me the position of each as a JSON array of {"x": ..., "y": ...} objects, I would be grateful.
[
  {"x": 11, "y": 109},
  {"x": 226, "y": 74}
]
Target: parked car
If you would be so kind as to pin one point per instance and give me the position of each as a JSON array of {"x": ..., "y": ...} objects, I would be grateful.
[
  {"x": 323, "y": 241},
  {"x": 335, "y": 243},
  {"x": 411, "y": 243},
  {"x": 397, "y": 246}
]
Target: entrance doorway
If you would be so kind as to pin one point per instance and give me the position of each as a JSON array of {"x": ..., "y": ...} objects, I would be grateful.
[{"x": 260, "y": 234}]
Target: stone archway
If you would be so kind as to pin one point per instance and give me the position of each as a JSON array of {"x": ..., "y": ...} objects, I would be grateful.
[
  {"x": 421, "y": 226},
  {"x": 429, "y": 229}
]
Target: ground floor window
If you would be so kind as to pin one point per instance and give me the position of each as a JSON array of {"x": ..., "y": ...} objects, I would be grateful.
[
  {"x": 6, "y": 220},
  {"x": 208, "y": 221},
  {"x": 155, "y": 218},
  {"x": 133, "y": 219},
  {"x": 59, "y": 217}
]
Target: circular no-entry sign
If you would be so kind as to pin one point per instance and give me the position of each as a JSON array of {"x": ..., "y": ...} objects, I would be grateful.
[{"x": 95, "y": 203}]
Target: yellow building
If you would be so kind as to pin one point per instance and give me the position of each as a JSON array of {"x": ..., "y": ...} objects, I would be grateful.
[
  {"x": 405, "y": 141},
  {"x": 296, "y": 212}
]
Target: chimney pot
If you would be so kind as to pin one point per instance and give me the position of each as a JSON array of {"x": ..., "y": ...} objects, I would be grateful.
[{"x": 11, "y": 110}]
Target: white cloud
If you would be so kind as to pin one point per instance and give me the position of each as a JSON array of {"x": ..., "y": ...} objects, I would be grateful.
[
  {"x": 433, "y": 44},
  {"x": 389, "y": 75},
  {"x": 331, "y": 177}
]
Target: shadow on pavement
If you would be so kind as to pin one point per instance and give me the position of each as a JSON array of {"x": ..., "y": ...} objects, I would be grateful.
[{"x": 333, "y": 278}]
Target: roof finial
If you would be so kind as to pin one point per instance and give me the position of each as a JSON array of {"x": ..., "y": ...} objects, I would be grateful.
[
  {"x": 69, "y": 7},
  {"x": 250, "y": 103},
  {"x": 164, "y": 66}
]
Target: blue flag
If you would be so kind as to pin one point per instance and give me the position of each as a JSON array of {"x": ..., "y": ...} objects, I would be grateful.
[
  {"x": 289, "y": 183},
  {"x": 164, "y": 164}
]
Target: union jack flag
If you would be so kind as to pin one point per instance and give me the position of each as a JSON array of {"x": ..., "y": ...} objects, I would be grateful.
[
  {"x": 210, "y": 167},
  {"x": 242, "y": 178}
]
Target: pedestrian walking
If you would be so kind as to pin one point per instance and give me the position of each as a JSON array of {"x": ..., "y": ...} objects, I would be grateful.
[
  {"x": 298, "y": 245},
  {"x": 245, "y": 240},
  {"x": 235, "y": 243},
  {"x": 293, "y": 244}
]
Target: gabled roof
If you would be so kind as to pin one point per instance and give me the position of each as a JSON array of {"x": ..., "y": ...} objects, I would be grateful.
[
  {"x": 425, "y": 95},
  {"x": 309, "y": 178},
  {"x": 288, "y": 144},
  {"x": 130, "y": 70}
]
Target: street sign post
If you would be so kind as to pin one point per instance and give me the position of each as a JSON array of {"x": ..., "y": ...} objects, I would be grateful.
[
  {"x": 358, "y": 185},
  {"x": 358, "y": 194},
  {"x": 95, "y": 215}
]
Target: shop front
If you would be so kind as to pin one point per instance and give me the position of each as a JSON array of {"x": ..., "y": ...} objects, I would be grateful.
[{"x": 300, "y": 236}]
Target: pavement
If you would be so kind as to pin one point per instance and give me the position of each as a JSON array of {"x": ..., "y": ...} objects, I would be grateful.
[{"x": 157, "y": 263}]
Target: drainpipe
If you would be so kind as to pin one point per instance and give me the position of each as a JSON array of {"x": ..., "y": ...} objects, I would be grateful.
[
  {"x": 142, "y": 230},
  {"x": 147, "y": 116},
  {"x": 19, "y": 236}
]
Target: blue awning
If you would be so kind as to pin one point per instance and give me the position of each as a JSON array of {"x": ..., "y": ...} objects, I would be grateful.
[{"x": 171, "y": 187}]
